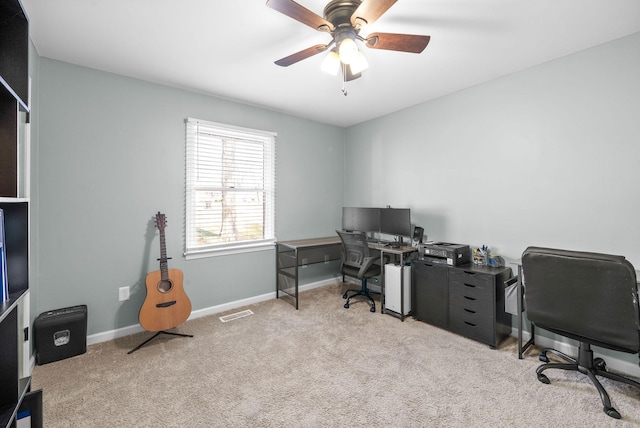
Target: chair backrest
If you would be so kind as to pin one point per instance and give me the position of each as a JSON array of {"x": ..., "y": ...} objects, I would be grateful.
[
  {"x": 588, "y": 297},
  {"x": 354, "y": 248}
]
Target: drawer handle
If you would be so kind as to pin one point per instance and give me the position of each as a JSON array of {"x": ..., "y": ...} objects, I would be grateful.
[
  {"x": 469, "y": 298},
  {"x": 470, "y": 323},
  {"x": 469, "y": 285},
  {"x": 469, "y": 310}
]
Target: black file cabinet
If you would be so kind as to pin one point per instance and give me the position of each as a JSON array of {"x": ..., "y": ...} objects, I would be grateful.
[
  {"x": 467, "y": 300},
  {"x": 430, "y": 293}
]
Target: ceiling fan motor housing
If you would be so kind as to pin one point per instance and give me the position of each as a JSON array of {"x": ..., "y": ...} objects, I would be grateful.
[{"x": 338, "y": 12}]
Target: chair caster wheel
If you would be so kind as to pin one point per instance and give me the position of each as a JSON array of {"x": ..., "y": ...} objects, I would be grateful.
[
  {"x": 544, "y": 379},
  {"x": 543, "y": 358},
  {"x": 346, "y": 306},
  {"x": 344, "y": 296},
  {"x": 373, "y": 309},
  {"x": 600, "y": 364},
  {"x": 612, "y": 412}
]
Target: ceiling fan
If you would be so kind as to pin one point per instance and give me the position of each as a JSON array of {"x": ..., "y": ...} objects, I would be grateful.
[{"x": 343, "y": 20}]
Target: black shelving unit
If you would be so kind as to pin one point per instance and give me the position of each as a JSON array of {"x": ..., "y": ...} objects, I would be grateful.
[
  {"x": 14, "y": 91},
  {"x": 15, "y": 386}
]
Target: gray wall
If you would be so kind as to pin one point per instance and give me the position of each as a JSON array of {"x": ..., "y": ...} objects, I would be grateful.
[
  {"x": 548, "y": 156},
  {"x": 110, "y": 154}
]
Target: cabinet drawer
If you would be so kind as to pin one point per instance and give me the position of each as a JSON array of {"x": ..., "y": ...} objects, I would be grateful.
[
  {"x": 472, "y": 325},
  {"x": 481, "y": 304},
  {"x": 480, "y": 280},
  {"x": 471, "y": 291}
]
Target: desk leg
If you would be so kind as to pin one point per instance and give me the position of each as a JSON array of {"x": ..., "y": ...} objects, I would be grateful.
[
  {"x": 285, "y": 271},
  {"x": 401, "y": 288},
  {"x": 296, "y": 276},
  {"x": 277, "y": 271},
  {"x": 382, "y": 275}
]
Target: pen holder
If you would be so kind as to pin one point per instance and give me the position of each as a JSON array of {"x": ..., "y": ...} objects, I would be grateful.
[{"x": 480, "y": 256}]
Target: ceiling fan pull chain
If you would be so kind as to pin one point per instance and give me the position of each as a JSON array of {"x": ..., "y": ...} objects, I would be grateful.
[{"x": 344, "y": 79}]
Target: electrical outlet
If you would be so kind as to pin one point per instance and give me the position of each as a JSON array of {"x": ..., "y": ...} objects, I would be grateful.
[{"x": 123, "y": 293}]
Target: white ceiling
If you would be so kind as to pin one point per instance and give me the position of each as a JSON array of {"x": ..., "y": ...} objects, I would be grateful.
[{"x": 227, "y": 48}]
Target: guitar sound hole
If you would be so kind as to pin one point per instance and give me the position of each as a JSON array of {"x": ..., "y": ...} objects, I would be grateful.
[{"x": 164, "y": 286}]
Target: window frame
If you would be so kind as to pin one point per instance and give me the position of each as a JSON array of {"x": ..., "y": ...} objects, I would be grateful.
[{"x": 195, "y": 127}]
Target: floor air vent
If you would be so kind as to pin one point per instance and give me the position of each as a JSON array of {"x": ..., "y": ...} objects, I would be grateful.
[{"x": 235, "y": 316}]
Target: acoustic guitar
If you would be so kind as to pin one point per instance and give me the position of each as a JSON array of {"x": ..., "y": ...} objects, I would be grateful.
[{"x": 166, "y": 305}]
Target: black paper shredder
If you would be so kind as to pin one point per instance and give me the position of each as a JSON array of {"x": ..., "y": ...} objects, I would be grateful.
[{"x": 60, "y": 334}]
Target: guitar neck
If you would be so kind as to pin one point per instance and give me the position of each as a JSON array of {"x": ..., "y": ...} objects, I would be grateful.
[{"x": 164, "y": 264}]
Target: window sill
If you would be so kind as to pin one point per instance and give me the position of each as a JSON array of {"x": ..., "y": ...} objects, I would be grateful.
[{"x": 227, "y": 251}]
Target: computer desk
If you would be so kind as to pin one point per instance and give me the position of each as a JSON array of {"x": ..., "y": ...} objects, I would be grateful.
[
  {"x": 400, "y": 252},
  {"x": 290, "y": 255}
]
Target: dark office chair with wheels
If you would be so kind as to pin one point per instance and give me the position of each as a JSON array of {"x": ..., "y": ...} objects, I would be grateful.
[
  {"x": 358, "y": 262},
  {"x": 588, "y": 297}
]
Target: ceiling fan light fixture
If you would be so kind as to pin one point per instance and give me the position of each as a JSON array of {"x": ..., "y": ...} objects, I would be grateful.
[
  {"x": 359, "y": 64},
  {"x": 343, "y": 20},
  {"x": 348, "y": 50},
  {"x": 331, "y": 63}
]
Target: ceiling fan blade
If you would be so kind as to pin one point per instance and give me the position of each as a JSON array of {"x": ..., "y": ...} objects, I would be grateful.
[
  {"x": 369, "y": 11},
  {"x": 303, "y": 54},
  {"x": 398, "y": 42},
  {"x": 301, "y": 14}
]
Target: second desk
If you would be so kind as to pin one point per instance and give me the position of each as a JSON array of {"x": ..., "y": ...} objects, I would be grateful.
[{"x": 401, "y": 253}]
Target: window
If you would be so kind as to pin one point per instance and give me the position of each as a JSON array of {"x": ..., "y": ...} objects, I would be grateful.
[{"x": 230, "y": 189}]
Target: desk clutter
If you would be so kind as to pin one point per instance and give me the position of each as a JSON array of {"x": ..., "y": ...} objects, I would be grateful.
[{"x": 483, "y": 257}]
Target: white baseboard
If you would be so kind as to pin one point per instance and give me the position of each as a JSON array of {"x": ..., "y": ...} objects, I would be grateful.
[
  {"x": 615, "y": 364},
  {"x": 132, "y": 329}
]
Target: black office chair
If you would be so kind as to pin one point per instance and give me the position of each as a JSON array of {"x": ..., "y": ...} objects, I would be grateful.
[
  {"x": 358, "y": 262},
  {"x": 588, "y": 297}
]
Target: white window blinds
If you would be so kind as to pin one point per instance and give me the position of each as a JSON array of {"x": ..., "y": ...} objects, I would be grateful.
[{"x": 230, "y": 188}]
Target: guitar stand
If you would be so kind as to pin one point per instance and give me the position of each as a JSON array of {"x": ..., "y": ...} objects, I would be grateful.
[{"x": 156, "y": 335}]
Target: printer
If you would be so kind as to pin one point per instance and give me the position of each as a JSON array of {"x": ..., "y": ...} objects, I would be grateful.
[{"x": 445, "y": 253}]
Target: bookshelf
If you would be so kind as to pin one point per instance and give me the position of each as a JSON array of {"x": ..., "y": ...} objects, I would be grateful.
[{"x": 15, "y": 381}]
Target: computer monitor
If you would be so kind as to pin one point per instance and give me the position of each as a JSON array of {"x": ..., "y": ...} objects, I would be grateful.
[
  {"x": 361, "y": 219},
  {"x": 395, "y": 221}
]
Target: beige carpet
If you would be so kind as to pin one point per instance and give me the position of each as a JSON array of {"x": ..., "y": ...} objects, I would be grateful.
[{"x": 320, "y": 366}]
